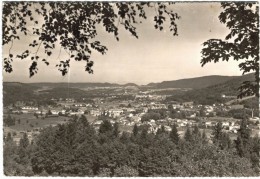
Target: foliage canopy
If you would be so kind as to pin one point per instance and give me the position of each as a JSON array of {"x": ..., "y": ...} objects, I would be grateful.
[
  {"x": 76, "y": 149},
  {"x": 242, "y": 42},
  {"x": 72, "y": 27}
]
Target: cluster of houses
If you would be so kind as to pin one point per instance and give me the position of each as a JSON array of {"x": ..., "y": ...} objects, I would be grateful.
[{"x": 130, "y": 112}]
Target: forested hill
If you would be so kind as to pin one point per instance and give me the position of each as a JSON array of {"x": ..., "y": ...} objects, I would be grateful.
[
  {"x": 212, "y": 94},
  {"x": 81, "y": 85},
  {"x": 230, "y": 87},
  {"x": 209, "y": 94},
  {"x": 74, "y": 85},
  {"x": 14, "y": 91},
  {"x": 194, "y": 83}
]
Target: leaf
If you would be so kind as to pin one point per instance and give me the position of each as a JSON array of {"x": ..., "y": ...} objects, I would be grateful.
[
  {"x": 33, "y": 68},
  {"x": 49, "y": 53}
]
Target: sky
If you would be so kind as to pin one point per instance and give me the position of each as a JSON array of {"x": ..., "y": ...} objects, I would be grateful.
[{"x": 154, "y": 57}]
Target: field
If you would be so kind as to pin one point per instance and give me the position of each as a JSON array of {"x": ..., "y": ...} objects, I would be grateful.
[{"x": 29, "y": 121}]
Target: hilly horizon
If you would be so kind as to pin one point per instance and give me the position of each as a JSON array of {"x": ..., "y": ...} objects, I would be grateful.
[
  {"x": 212, "y": 94},
  {"x": 15, "y": 91},
  {"x": 194, "y": 83},
  {"x": 72, "y": 84}
]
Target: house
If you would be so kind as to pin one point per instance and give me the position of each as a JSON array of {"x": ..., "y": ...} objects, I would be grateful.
[
  {"x": 175, "y": 106},
  {"x": 193, "y": 115},
  {"x": 54, "y": 112},
  {"x": 25, "y": 111},
  {"x": 254, "y": 119},
  {"x": 79, "y": 105},
  {"x": 232, "y": 123},
  {"x": 237, "y": 106},
  {"x": 29, "y": 109},
  {"x": 80, "y": 112},
  {"x": 94, "y": 112},
  {"x": 234, "y": 127},
  {"x": 130, "y": 115},
  {"x": 182, "y": 124},
  {"x": 115, "y": 112},
  {"x": 136, "y": 118},
  {"x": 188, "y": 104},
  {"x": 209, "y": 123},
  {"x": 145, "y": 109},
  {"x": 16, "y": 112},
  {"x": 209, "y": 109},
  {"x": 17, "y": 140},
  {"x": 168, "y": 128},
  {"x": 97, "y": 123},
  {"x": 71, "y": 100},
  {"x": 225, "y": 124},
  {"x": 157, "y": 106},
  {"x": 130, "y": 110}
]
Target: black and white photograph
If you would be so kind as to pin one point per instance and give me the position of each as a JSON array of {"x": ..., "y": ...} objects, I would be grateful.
[{"x": 130, "y": 89}]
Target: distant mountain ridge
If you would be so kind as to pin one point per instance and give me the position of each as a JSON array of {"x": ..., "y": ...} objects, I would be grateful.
[
  {"x": 76, "y": 85},
  {"x": 213, "y": 94},
  {"x": 204, "y": 88},
  {"x": 194, "y": 83}
]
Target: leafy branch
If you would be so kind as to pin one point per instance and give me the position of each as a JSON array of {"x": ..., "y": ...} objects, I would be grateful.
[
  {"x": 73, "y": 26},
  {"x": 242, "y": 42}
]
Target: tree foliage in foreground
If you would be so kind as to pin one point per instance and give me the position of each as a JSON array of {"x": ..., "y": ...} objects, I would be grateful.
[
  {"x": 241, "y": 44},
  {"x": 76, "y": 149},
  {"x": 72, "y": 27}
]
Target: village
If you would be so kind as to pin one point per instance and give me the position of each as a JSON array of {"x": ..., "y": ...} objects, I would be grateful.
[{"x": 143, "y": 110}]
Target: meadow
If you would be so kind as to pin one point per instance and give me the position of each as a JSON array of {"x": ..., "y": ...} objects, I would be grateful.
[{"x": 27, "y": 122}]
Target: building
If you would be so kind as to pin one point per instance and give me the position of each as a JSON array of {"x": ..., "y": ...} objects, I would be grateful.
[
  {"x": 237, "y": 106},
  {"x": 188, "y": 104},
  {"x": 175, "y": 106},
  {"x": 94, "y": 112},
  {"x": 29, "y": 109},
  {"x": 115, "y": 112}
]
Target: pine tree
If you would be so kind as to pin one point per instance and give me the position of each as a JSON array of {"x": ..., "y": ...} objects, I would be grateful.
[
  {"x": 255, "y": 153},
  {"x": 174, "y": 136},
  {"x": 84, "y": 120},
  {"x": 160, "y": 130},
  {"x": 225, "y": 141},
  {"x": 105, "y": 127},
  {"x": 9, "y": 121},
  {"x": 196, "y": 131},
  {"x": 217, "y": 133},
  {"x": 163, "y": 129},
  {"x": 124, "y": 138},
  {"x": 24, "y": 142},
  {"x": 188, "y": 136},
  {"x": 144, "y": 133},
  {"x": 204, "y": 136},
  {"x": 8, "y": 137},
  {"x": 23, "y": 150},
  {"x": 135, "y": 130},
  {"x": 243, "y": 139},
  {"x": 116, "y": 130}
]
